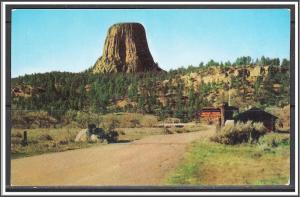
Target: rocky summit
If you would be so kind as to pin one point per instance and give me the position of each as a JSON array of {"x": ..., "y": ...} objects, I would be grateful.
[{"x": 125, "y": 50}]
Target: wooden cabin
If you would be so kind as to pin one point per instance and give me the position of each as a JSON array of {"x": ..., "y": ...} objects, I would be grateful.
[
  {"x": 218, "y": 115},
  {"x": 210, "y": 114},
  {"x": 257, "y": 115}
]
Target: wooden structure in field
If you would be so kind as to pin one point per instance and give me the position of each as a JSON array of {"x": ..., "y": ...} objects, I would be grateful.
[
  {"x": 210, "y": 114},
  {"x": 257, "y": 115},
  {"x": 218, "y": 115},
  {"x": 224, "y": 112}
]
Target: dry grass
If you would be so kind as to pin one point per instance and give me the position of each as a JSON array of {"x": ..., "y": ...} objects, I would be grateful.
[
  {"x": 47, "y": 140},
  {"x": 127, "y": 120},
  {"x": 44, "y": 140},
  {"x": 186, "y": 129},
  {"x": 131, "y": 134}
]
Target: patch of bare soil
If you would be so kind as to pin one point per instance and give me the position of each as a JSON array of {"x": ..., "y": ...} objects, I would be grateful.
[{"x": 143, "y": 162}]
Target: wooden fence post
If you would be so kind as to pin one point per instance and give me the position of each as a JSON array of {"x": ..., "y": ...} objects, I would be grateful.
[{"x": 24, "y": 141}]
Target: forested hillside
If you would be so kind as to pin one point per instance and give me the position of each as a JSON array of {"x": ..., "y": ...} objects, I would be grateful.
[{"x": 178, "y": 93}]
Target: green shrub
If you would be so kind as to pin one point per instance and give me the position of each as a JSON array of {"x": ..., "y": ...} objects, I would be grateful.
[
  {"x": 258, "y": 130},
  {"x": 111, "y": 135},
  {"x": 274, "y": 140},
  {"x": 240, "y": 133},
  {"x": 85, "y": 118}
]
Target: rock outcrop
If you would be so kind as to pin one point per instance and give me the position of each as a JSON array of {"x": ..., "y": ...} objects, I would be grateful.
[
  {"x": 26, "y": 91},
  {"x": 85, "y": 136},
  {"x": 125, "y": 50}
]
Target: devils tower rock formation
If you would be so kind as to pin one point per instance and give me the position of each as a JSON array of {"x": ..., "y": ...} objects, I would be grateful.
[{"x": 125, "y": 50}]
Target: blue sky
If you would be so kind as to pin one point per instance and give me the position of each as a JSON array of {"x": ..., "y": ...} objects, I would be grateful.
[{"x": 72, "y": 39}]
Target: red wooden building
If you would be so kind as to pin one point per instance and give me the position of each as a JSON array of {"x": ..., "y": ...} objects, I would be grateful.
[
  {"x": 210, "y": 114},
  {"x": 218, "y": 115}
]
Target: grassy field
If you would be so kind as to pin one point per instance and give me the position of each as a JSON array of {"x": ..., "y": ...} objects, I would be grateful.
[
  {"x": 130, "y": 120},
  {"x": 130, "y": 134},
  {"x": 210, "y": 163},
  {"x": 45, "y": 140}
]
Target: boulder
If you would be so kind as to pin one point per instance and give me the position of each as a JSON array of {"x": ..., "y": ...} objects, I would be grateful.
[
  {"x": 85, "y": 136},
  {"x": 94, "y": 138},
  {"x": 82, "y": 136}
]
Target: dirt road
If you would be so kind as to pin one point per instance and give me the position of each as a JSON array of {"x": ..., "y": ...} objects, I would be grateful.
[{"x": 143, "y": 162}]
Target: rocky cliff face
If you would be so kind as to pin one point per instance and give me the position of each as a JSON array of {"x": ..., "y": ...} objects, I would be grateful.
[{"x": 125, "y": 50}]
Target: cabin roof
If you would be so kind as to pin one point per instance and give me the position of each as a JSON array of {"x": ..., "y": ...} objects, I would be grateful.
[
  {"x": 210, "y": 109},
  {"x": 232, "y": 108}
]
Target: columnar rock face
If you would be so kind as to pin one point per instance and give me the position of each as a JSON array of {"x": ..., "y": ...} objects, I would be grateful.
[{"x": 125, "y": 50}]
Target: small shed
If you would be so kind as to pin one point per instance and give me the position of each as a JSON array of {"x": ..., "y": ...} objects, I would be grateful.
[
  {"x": 210, "y": 114},
  {"x": 257, "y": 115},
  {"x": 219, "y": 114}
]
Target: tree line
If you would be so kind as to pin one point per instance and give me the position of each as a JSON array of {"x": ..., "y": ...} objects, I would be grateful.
[{"x": 87, "y": 92}]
